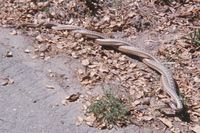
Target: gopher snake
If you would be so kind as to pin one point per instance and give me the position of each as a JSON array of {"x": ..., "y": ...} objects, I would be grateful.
[{"x": 125, "y": 47}]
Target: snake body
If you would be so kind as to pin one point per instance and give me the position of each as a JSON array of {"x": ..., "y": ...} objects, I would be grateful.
[
  {"x": 125, "y": 47},
  {"x": 152, "y": 62},
  {"x": 90, "y": 34},
  {"x": 68, "y": 27},
  {"x": 167, "y": 80}
]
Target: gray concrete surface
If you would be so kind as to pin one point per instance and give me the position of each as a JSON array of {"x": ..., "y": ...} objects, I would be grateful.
[{"x": 27, "y": 106}]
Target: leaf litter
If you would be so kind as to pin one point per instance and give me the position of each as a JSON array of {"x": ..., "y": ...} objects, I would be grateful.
[{"x": 102, "y": 65}]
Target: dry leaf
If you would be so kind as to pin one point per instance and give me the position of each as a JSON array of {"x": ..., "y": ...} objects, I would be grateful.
[
  {"x": 4, "y": 81},
  {"x": 86, "y": 81},
  {"x": 85, "y": 62},
  {"x": 106, "y": 18},
  {"x": 81, "y": 71},
  {"x": 26, "y": 51},
  {"x": 92, "y": 66},
  {"x": 131, "y": 14},
  {"x": 44, "y": 47},
  {"x": 103, "y": 69},
  {"x": 90, "y": 120},
  {"x": 64, "y": 102},
  {"x": 74, "y": 55},
  {"x": 175, "y": 130},
  {"x": 167, "y": 122},
  {"x": 39, "y": 38},
  {"x": 60, "y": 45},
  {"x": 147, "y": 118},
  {"x": 93, "y": 73},
  {"x": 135, "y": 103},
  {"x": 196, "y": 128},
  {"x": 50, "y": 87},
  {"x": 79, "y": 120},
  {"x": 73, "y": 97},
  {"x": 11, "y": 81},
  {"x": 9, "y": 54},
  {"x": 66, "y": 33},
  {"x": 14, "y": 32},
  {"x": 196, "y": 79}
]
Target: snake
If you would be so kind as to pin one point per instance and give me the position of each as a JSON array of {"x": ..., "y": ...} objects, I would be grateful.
[{"x": 126, "y": 47}]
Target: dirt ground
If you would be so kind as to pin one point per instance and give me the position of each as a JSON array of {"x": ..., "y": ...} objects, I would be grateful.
[
  {"x": 31, "y": 100},
  {"x": 40, "y": 67}
]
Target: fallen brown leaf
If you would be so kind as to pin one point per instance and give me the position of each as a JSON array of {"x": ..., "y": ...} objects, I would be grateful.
[
  {"x": 73, "y": 97},
  {"x": 167, "y": 122},
  {"x": 50, "y": 87},
  {"x": 9, "y": 54},
  {"x": 196, "y": 128},
  {"x": 4, "y": 81},
  {"x": 14, "y": 32},
  {"x": 85, "y": 62},
  {"x": 90, "y": 120}
]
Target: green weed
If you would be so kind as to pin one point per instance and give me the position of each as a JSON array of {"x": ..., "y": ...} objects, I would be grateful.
[
  {"x": 195, "y": 38},
  {"x": 109, "y": 110}
]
